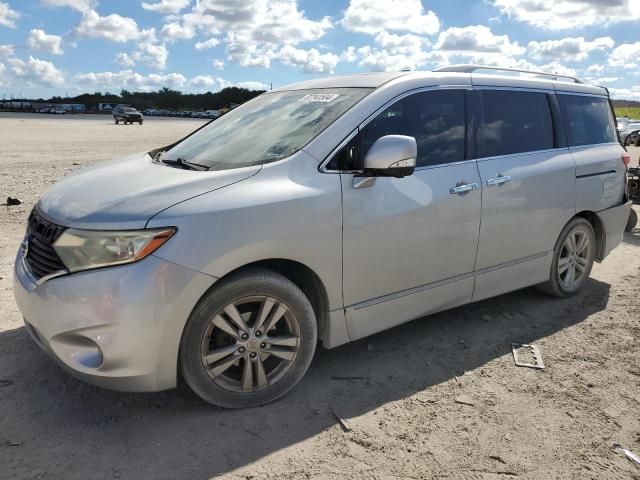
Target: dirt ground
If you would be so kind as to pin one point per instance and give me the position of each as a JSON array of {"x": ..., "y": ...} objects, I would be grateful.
[{"x": 405, "y": 417}]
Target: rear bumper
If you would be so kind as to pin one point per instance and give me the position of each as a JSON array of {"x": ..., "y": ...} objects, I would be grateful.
[
  {"x": 116, "y": 328},
  {"x": 613, "y": 222}
]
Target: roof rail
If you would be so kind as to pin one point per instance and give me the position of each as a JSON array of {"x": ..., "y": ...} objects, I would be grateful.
[{"x": 469, "y": 68}]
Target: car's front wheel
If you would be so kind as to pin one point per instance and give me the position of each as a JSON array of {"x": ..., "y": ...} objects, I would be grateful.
[
  {"x": 116, "y": 121},
  {"x": 573, "y": 258},
  {"x": 249, "y": 341}
]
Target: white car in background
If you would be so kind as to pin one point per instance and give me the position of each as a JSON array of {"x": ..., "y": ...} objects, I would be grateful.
[{"x": 629, "y": 130}]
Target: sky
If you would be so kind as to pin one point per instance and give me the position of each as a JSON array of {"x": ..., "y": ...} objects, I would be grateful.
[{"x": 66, "y": 47}]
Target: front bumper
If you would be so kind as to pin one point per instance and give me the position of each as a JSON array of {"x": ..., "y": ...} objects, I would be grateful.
[{"x": 118, "y": 327}]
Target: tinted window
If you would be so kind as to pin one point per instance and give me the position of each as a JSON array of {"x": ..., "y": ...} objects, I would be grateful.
[
  {"x": 588, "y": 120},
  {"x": 435, "y": 119},
  {"x": 514, "y": 122},
  {"x": 348, "y": 157}
]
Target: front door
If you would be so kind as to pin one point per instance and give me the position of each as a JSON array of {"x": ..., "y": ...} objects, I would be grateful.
[{"x": 409, "y": 244}]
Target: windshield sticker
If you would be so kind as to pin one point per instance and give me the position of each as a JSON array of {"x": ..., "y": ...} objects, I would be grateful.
[{"x": 319, "y": 97}]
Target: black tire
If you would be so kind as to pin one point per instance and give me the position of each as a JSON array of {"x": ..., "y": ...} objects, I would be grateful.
[
  {"x": 554, "y": 286},
  {"x": 140, "y": 122},
  {"x": 632, "y": 221},
  {"x": 247, "y": 284},
  {"x": 116, "y": 121}
]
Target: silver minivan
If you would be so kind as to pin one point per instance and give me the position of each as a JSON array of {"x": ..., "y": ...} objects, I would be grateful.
[{"x": 324, "y": 211}]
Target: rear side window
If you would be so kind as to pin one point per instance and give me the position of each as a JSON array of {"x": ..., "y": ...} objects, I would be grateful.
[
  {"x": 436, "y": 119},
  {"x": 588, "y": 120},
  {"x": 514, "y": 122}
]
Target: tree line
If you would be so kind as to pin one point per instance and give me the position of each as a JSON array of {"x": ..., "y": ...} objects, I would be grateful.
[{"x": 163, "y": 99}]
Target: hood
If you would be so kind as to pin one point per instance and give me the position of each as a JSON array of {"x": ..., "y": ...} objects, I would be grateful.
[{"x": 126, "y": 193}]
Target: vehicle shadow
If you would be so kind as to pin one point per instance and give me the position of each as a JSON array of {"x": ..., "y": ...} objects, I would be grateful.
[{"x": 58, "y": 427}]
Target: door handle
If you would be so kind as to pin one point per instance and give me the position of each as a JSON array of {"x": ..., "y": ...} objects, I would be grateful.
[
  {"x": 499, "y": 180},
  {"x": 467, "y": 187}
]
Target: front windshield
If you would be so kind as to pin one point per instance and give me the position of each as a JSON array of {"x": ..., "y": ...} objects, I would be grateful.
[
  {"x": 130, "y": 110},
  {"x": 270, "y": 127}
]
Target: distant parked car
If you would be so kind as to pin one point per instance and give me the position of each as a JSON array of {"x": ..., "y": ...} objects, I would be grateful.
[
  {"x": 630, "y": 133},
  {"x": 57, "y": 111},
  {"x": 127, "y": 115}
]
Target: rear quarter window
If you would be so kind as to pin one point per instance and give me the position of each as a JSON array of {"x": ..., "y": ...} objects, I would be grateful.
[{"x": 588, "y": 120}]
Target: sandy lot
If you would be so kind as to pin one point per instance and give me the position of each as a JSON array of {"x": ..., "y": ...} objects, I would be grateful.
[{"x": 557, "y": 423}]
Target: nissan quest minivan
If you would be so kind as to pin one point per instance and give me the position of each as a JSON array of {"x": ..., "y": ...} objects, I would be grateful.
[{"x": 324, "y": 211}]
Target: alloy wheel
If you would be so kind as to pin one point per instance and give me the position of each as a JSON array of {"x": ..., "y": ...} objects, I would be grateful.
[
  {"x": 574, "y": 258},
  {"x": 250, "y": 344}
]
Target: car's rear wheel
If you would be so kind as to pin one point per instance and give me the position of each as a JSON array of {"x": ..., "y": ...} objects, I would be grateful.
[
  {"x": 573, "y": 258},
  {"x": 116, "y": 121},
  {"x": 632, "y": 221},
  {"x": 249, "y": 340}
]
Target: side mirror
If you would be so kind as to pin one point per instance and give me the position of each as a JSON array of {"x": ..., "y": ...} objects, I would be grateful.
[{"x": 391, "y": 156}]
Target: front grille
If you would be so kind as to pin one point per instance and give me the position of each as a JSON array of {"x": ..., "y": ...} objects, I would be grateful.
[{"x": 41, "y": 258}]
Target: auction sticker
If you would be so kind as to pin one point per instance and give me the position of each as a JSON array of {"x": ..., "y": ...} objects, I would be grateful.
[{"x": 319, "y": 97}]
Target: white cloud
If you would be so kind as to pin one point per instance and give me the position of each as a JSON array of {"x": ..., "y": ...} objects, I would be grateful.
[
  {"x": 569, "y": 14},
  {"x": 6, "y": 51},
  {"x": 557, "y": 69},
  {"x": 476, "y": 38},
  {"x": 150, "y": 54},
  {"x": 471, "y": 44},
  {"x": 626, "y": 56},
  {"x": 311, "y": 61},
  {"x": 173, "y": 31},
  {"x": 218, "y": 64},
  {"x": 36, "y": 72},
  {"x": 203, "y": 83},
  {"x": 400, "y": 43},
  {"x": 632, "y": 93},
  {"x": 601, "y": 80},
  {"x": 595, "y": 69},
  {"x": 124, "y": 60},
  {"x": 350, "y": 54},
  {"x": 8, "y": 16},
  {"x": 391, "y": 52},
  {"x": 40, "y": 40},
  {"x": 130, "y": 80},
  {"x": 212, "y": 42},
  {"x": 372, "y": 16},
  {"x": 80, "y": 5},
  {"x": 254, "y": 32},
  {"x": 166, "y": 6},
  {"x": 252, "y": 85},
  {"x": 573, "y": 49},
  {"x": 112, "y": 27},
  {"x": 209, "y": 83}
]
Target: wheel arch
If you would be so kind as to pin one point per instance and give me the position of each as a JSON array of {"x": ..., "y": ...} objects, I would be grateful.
[
  {"x": 598, "y": 230},
  {"x": 304, "y": 278}
]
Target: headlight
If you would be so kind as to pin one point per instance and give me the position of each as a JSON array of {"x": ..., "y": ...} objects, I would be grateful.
[{"x": 86, "y": 249}]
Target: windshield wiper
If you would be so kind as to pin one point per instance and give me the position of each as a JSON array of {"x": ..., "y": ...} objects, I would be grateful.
[{"x": 182, "y": 163}]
